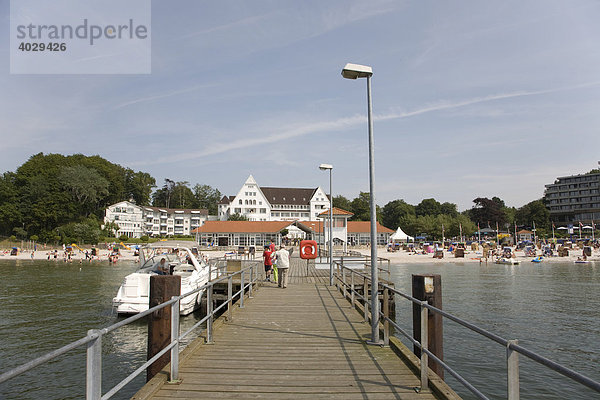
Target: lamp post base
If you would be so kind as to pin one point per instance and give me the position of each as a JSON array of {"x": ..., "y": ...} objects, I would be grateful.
[{"x": 376, "y": 343}]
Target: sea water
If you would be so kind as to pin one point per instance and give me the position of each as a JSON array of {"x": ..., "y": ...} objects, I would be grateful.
[{"x": 552, "y": 308}]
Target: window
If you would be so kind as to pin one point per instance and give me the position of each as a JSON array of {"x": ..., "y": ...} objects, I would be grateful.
[{"x": 240, "y": 201}]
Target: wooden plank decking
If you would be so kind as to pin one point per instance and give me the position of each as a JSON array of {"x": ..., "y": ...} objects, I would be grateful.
[{"x": 302, "y": 342}]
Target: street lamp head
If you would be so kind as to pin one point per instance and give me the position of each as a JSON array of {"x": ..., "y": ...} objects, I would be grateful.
[
  {"x": 354, "y": 71},
  {"x": 325, "y": 167}
]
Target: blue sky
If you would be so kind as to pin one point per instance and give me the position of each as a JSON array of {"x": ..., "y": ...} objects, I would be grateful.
[{"x": 470, "y": 98}]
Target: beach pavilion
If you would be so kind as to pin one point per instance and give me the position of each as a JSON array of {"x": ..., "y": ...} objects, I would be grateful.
[{"x": 244, "y": 233}]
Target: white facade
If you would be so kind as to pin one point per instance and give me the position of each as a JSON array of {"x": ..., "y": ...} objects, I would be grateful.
[
  {"x": 273, "y": 204},
  {"x": 135, "y": 221},
  {"x": 128, "y": 216}
]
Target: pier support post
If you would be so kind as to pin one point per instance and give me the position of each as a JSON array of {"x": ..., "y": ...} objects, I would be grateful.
[
  {"x": 209, "y": 314},
  {"x": 94, "y": 367},
  {"x": 162, "y": 288},
  {"x": 366, "y": 299},
  {"x": 429, "y": 288},
  {"x": 512, "y": 363},
  {"x": 242, "y": 275},
  {"x": 229, "y": 297}
]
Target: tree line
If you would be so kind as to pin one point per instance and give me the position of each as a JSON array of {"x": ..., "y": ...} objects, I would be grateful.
[
  {"x": 433, "y": 219},
  {"x": 57, "y": 198}
]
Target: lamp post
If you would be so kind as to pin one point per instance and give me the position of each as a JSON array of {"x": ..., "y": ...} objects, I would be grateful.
[
  {"x": 354, "y": 71},
  {"x": 325, "y": 167}
]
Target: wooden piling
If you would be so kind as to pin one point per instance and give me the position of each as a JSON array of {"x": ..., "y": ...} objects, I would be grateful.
[
  {"x": 429, "y": 287},
  {"x": 162, "y": 288}
]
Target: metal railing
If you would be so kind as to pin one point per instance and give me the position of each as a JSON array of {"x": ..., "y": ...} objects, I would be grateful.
[
  {"x": 93, "y": 340},
  {"x": 513, "y": 349}
]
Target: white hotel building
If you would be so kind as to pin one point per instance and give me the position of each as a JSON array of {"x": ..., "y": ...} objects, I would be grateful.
[
  {"x": 274, "y": 204},
  {"x": 136, "y": 221}
]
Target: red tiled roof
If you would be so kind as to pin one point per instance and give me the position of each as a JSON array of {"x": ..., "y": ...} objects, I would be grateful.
[
  {"x": 336, "y": 211},
  {"x": 365, "y": 227},
  {"x": 243, "y": 226}
]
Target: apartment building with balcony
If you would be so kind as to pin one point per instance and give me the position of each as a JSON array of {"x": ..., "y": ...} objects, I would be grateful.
[
  {"x": 573, "y": 199},
  {"x": 136, "y": 221}
]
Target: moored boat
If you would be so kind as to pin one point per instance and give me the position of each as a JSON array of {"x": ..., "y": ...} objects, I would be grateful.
[
  {"x": 507, "y": 261},
  {"x": 133, "y": 294}
]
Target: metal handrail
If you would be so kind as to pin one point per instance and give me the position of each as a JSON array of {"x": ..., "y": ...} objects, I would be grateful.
[
  {"x": 511, "y": 345},
  {"x": 93, "y": 339}
]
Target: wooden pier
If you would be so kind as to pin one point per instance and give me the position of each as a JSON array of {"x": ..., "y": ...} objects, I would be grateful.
[{"x": 302, "y": 342}]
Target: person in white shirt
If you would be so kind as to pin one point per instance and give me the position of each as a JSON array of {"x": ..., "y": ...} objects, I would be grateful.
[{"x": 283, "y": 264}]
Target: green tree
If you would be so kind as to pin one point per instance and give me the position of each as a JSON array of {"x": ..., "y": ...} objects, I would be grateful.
[
  {"x": 86, "y": 186},
  {"x": 162, "y": 197},
  {"x": 488, "y": 211},
  {"x": 237, "y": 217},
  {"x": 428, "y": 207},
  {"x": 139, "y": 186},
  {"x": 396, "y": 214},
  {"x": 534, "y": 211},
  {"x": 450, "y": 209},
  {"x": 342, "y": 202},
  {"x": 9, "y": 201},
  {"x": 360, "y": 207},
  {"x": 207, "y": 197}
]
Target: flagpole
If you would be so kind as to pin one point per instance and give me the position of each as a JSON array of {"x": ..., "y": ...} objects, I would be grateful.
[
  {"x": 497, "y": 234},
  {"x": 553, "y": 240},
  {"x": 515, "y": 234},
  {"x": 534, "y": 238},
  {"x": 479, "y": 233},
  {"x": 592, "y": 230}
]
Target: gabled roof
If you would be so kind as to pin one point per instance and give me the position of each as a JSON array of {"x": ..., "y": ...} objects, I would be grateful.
[
  {"x": 201, "y": 211},
  {"x": 524, "y": 231},
  {"x": 336, "y": 212},
  {"x": 226, "y": 200},
  {"x": 243, "y": 226},
  {"x": 365, "y": 227},
  {"x": 288, "y": 195}
]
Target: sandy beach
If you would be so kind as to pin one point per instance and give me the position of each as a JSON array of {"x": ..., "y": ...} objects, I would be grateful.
[
  {"x": 398, "y": 257},
  {"x": 402, "y": 257}
]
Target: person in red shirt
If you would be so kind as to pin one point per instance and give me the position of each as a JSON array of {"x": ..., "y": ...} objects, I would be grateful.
[
  {"x": 268, "y": 262},
  {"x": 272, "y": 247}
]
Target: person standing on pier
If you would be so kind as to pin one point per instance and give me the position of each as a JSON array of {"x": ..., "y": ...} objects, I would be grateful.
[
  {"x": 267, "y": 254},
  {"x": 283, "y": 264}
]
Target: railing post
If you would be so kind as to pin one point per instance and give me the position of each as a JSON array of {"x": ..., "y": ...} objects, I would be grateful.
[
  {"x": 242, "y": 289},
  {"x": 93, "y": 389},
  {"x": 250, "y": 282},
  {"x": 512, "y": 363},
  {"x": 424, "y": 344},
  {"x": 209, "y": 271},
  {"x": 352, "y": 288},
  {"x": 175, "y": 338},
  {"x": 229, "y": 297},
  {"x": 386, "y": 314},
  {"x": 209, "y": 314},
  {"x": 344, "y": 290},
  {"x": 366, "y": 299}
]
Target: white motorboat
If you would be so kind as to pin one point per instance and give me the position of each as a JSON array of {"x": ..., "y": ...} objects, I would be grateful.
[
  {"x": 507, "y": 261},
  {"x": 133, "y": 295}
]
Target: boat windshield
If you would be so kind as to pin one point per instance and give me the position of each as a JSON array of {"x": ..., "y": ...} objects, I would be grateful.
[{"x": 153, "y": 262}]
